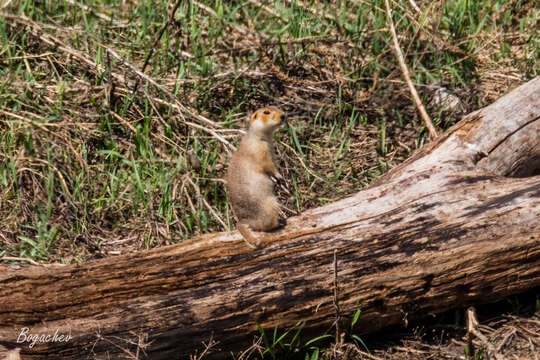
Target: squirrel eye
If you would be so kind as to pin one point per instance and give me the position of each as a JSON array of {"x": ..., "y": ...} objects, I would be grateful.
[{"x": 266, "y": 112}]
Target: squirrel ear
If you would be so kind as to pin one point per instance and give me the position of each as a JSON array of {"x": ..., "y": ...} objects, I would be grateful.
[{"x": 252, "y": 118}]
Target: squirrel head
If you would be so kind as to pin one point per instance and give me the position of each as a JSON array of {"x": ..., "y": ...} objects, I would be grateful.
[{"x": 265, "y": 120}]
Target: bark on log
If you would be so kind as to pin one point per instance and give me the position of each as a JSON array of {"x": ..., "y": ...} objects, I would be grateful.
[{"x": 447, "y": 228}]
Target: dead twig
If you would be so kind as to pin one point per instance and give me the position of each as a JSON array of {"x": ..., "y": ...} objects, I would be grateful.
[
  {"x": 405, "y": 71},
  {"x": 206, "y": 204},
  {"x": 152, "y": 82},
  {"x": 50, "y": 40},
  {"x": 302, "y": 162},
  {"x": 14, "y": 258},
  {"x": 97, "y": 14},
  {"x": 181, "y": 107},
  {"x": 156, "y": 41},
  {"x": 6, "y": 4},
  {"x": 336, "y": 299},
  {"x": 129, "y": 354},
  {"x": 505, "y": 339},
  {"x": 43, "y": 126},
  {"x": 186, "y": 193},
  {"x": 207, "y": 349},
  {"x": 415, "y": 7},
  {"x": 368, "y": 355},
  {"x": 472, "y": 325}
]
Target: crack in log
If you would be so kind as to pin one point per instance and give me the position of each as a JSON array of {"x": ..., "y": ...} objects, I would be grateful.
[{"x": 510, "y": 134}]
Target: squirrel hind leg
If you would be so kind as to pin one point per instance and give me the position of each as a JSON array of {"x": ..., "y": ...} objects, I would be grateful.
[
  {"x": 269, "y": 222},
  {"x": 268, "y": 218},
  {"x": 248, "y": 236}
]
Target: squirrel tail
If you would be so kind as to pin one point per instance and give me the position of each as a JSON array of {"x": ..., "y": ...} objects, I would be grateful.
[{"x": 248, "y": 236}]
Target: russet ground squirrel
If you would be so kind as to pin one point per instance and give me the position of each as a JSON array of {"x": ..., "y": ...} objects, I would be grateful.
[{"x": 250, "y": 173}]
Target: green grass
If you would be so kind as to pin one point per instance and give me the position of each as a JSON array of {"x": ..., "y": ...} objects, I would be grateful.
[
  {"x": 86, "y": 171},
  {"x": 440, "y": 336},
  {"x": 292, "y": 343}
]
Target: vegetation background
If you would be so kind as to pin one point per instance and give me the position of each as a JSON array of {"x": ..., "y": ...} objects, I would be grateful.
[{"x": 117, "y": 120}]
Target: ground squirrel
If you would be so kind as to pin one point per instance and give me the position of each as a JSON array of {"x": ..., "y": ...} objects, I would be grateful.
[{"x": 250, "y": 173}]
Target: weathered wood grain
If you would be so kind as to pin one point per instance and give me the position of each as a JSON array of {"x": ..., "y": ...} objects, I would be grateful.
[{"x": 447, "y": 228}]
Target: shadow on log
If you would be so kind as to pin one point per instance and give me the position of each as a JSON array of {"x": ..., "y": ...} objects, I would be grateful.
[{"x": 455, "y": 224}]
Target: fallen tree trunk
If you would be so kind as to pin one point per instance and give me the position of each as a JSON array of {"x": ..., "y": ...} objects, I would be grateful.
[{"x": 447, "y": 228}]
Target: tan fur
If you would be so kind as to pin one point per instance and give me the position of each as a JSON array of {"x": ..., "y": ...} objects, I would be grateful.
[{"x": 249, "y": 181}]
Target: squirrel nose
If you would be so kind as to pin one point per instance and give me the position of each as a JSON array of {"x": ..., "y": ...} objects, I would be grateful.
[{"x": 283, "y": 117}]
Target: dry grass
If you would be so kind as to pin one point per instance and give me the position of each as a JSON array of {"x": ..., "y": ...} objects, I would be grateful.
[
  {"x": 98, "y": 157},
  {"x": 512, "y": 337}
]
